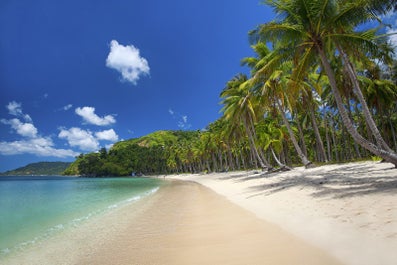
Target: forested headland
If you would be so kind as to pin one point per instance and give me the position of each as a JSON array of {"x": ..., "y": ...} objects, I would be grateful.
[
  {"x": 322, "y": 88},
  {"x": 39, "y": 169}
]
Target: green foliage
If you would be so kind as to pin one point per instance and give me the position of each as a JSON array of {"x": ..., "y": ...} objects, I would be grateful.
[
  {"x": 149, "y": 154},
  {"x": 41, "y": 168}
]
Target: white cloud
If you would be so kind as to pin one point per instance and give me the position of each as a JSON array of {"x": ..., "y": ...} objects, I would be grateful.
[
  {"x": 32, "y": 142},
  {"x": 88, "y": 114},
  {"x": 15, "y": 109},
  {"x": 83, "y": 139},
  {"x": 183, "y": 124},
  {"x": 86, "y": 140},
  {"x": 67, "y": 107},
  {"x": 36, "y": 146},
  {"x": 107, "y": 135},
  {"x": 23, "y": 129},
  {"x": 182, "y": 120},
  {"x": 391, "y": 19},
  {"x": 127, "y": 61},
  {"x": 109, "y": 146},
  {"x": 393, "y": 38}
]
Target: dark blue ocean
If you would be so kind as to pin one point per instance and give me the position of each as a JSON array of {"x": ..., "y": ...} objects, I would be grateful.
[{"x": 33, "y": 209}]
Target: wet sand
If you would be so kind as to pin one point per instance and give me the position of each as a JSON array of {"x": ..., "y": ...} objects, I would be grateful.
[{"x": 183, "y": 223}]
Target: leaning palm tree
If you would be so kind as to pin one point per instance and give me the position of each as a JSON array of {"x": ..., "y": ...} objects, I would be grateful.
[
  {"x": 309, "y": 32},
  {"x": 270, "y": 88},
  {"x": 276, "y": 89},
  {"x": 239, "y": 108},
  {"x": 271, "y": 138}
]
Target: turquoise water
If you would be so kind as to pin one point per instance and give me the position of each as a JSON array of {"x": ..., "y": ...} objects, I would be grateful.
[{"x": 33, "y": 209}]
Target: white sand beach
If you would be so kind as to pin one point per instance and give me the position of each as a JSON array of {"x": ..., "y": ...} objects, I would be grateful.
[
  {"x": 348, "y": 210},
  {"x": 334, "y": 214}
]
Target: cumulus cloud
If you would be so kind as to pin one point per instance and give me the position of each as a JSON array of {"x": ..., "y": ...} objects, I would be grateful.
[
  {"x": 31, "y": 142},
  {"x": 88, "y": 114},
  {"x": 83, "y": 139},
  {"x": 23, "y": 129},
  {"x": 107, "y": 135},
  {"x": 37, "y": 146},
  {"x": 182, "y": 120},
  {"x": 15, "y": 109},
  {"x": 86, "y": 140},
  {"x": 127, "y": 61}
]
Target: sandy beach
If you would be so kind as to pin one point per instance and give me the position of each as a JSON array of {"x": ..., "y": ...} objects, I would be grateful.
[
  {"x": 349, "y": 210},
  {"x": 335, "y": 214},
  {"x": 183, "y": 223}
]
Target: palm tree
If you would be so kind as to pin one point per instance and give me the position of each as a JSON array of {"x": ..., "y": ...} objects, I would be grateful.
[
  {"x": 239, "y": 107},
  {"x": 312, "y": 29},
  {"x": 314, "y": 85},
  {"x": 270, "y": 87},
  {"x": 271, "y": 138}
]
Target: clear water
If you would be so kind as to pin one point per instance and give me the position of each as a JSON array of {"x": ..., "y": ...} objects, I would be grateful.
[{"x": 32, "y": 209}]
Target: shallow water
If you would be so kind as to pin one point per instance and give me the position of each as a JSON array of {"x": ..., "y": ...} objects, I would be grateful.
[{"x": 32, "y": 209}]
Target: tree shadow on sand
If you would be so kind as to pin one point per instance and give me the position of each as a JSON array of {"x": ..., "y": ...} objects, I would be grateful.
[{"x": 341, "y": 182}]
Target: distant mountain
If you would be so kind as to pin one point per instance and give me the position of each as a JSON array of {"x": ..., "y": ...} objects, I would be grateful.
[{"x": 40, "y": 168}]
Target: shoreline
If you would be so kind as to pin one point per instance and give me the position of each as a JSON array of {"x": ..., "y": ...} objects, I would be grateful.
[
  {"x": 182, "y": 223},
  {"x": 348, "y": 210},
  {"x": 334, "y": 214}
]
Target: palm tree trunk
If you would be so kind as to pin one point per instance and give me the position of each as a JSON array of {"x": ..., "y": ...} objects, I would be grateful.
[
  {"x": 281, "y": 165},
  {"x": 317, "y": 134},
  {"x": 230, "y": 158},
  {"x": 302, "y": 156},
  {"x": 261, "y": 155},
  {"x": 393, "y": 132},
  {"x": 207, "y": 163},
  {"x": 327, "y": 139},
  {"x": 335, "y": 141},
  {"x": 253, "y": 146},
  {"x": 387, "y": 155},
  {"x": 367, "y": 114},
  {"x": 302, "y": 138},
  {"x": 214, "y": 163}
]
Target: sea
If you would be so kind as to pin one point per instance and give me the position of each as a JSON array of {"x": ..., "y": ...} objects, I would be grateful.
[{"x": 33, "y": 209}]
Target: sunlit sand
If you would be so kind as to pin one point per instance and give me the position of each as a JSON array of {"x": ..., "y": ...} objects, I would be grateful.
[
  {"x": 335, "y": 214},
  {"x": 349, "y": 210}
]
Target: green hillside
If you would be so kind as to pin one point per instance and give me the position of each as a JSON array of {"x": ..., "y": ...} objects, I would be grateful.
[
  {"x": 148, "y": 154},
  {"x": 40, "y": 168},
  {"x": 155, "y": 139}
]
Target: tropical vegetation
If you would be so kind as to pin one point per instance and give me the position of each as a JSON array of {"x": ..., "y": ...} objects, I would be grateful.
[
  {"x": 39, "y": 169},
  {"x": 322, "y": 87}
]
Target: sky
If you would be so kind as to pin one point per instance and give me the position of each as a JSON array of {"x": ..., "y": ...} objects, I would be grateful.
[{"x": 76, "y": 76}]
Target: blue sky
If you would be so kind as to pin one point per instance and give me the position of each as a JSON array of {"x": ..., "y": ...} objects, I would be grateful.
[
  {"x": 79, "y": 75},
  {"x": 76, "y": 76}
]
